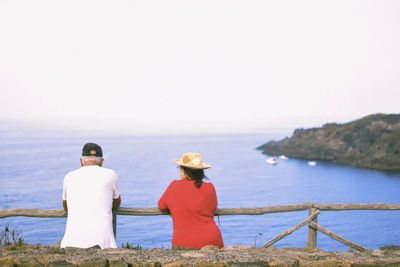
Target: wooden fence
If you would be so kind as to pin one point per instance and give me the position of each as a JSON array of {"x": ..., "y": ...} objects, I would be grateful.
[{"x": 314, "y": 209}]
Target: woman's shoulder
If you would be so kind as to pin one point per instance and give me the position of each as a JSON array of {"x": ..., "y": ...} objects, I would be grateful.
[
  {"x": 173, "y": 182},
  {"x": 177, "y": 183},
  {"x": 208, "y": 185}
]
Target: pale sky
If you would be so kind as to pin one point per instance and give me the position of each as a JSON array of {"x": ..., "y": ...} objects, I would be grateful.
[{"x": 245, "y": 63}]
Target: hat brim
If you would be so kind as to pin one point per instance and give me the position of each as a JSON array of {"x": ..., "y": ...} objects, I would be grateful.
[{"x": 202, "y": 167}]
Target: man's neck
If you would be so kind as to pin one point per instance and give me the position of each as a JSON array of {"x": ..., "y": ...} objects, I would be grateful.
[{"x": 88, "y": 163}]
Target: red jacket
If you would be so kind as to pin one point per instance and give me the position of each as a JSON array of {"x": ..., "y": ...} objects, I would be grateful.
[{"x": 192, "y": 210}]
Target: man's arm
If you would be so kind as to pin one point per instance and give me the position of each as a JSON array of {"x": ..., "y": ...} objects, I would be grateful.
[
  {"x": 116, "y": 203},
  {"x": 65, "y": 206}
]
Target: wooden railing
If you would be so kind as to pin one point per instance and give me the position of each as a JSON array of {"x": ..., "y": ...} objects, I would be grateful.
[{"x": 314, "y": 209}]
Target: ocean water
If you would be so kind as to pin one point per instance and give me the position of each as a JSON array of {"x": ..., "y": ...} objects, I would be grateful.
[{"x": 33, "y": 164}]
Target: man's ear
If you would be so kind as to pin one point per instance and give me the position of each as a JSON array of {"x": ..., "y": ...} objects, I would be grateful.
[
  {"x": 101, "y": 162},
  {"x": 81, "y": 162}
]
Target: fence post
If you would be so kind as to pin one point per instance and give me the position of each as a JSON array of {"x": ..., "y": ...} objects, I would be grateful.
[
  {"x": 312, "y": 232},
  {"x": 114, "y": 222}
]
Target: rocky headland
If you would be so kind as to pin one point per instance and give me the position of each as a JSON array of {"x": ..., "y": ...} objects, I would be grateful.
[
  {"x": 36, "y": 255},
  {"x": 371, "y": 142}
]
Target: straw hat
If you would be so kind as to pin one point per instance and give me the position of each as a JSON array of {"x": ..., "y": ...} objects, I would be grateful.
[{"x": 192, "y": 161}]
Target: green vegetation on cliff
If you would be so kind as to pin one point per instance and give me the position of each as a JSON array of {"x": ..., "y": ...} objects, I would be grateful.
[{"x": 370, "y": 142}]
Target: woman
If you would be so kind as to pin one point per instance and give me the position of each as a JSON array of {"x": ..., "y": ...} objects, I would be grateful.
[{"x": 192, "y": 204}]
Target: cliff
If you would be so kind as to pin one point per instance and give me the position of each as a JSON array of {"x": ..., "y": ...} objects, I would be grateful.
[{"x": 370, "y": 142}]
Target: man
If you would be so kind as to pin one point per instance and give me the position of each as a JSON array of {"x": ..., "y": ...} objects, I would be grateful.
[{"x": 89, "y": 195}]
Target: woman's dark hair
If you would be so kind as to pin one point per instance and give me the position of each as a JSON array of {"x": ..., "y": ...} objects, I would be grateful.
[{"x": 195, "y": 174}]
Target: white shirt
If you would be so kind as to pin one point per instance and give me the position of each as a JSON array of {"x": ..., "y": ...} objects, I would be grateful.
[{"x": 89, "y": 192}]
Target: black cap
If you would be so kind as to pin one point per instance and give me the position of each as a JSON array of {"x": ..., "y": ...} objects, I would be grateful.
[{"x": 92, "y": 150}]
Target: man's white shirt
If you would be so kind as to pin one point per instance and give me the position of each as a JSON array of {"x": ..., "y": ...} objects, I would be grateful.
[{"x": 89, "y": 192}]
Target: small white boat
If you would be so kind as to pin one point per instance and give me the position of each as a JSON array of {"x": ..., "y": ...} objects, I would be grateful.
[
  {"x": 272, "y": 161},
  {"x": 283, "y": 157},
  {"x": 312, "y": 163}
]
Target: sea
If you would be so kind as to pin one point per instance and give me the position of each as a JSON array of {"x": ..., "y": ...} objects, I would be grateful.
[{"x": 34, "y": 163}]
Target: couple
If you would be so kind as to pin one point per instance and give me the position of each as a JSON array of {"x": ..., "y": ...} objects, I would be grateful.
[{"x": 91, "y": 192}]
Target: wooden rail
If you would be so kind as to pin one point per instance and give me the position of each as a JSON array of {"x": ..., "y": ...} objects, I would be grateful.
[
  {"x": 313, "y": 226},
  {"x": 59, "y": 213}
]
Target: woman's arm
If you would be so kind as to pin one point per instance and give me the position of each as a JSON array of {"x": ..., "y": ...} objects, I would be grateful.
[
  {"x": 163, "y": 207},
  {"x": 213, "y": 199},
  {"x": 162, "y": 204},
  {"x": 164, "y": 200}
]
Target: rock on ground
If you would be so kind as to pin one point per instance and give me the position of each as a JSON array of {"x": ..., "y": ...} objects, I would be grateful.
[{"x": 231, "y": 256}]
